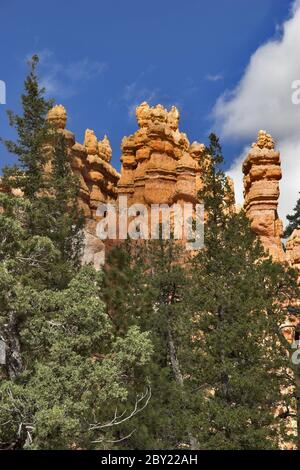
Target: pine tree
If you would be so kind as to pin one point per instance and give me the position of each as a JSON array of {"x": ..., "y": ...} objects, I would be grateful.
[
  {"x": 76, "y": 369},
  {"x": 239, "y": 359},
  {"x": 67, "y": 367},
  {"x": 24, "y": 260},
  {"x": 294, "y": 221},
  {"x": 220, "y": 361},
  {"x": 32, "y": 133},
  {"x": 45, "y": 179},
  {"x": 148, "y": 290},
  {"x": 55, "y": 213}
]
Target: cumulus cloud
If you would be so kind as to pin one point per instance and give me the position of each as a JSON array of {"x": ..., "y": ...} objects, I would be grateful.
[
  {"x": 296, "y": 5},
  {"x": 263, "y": 100}
]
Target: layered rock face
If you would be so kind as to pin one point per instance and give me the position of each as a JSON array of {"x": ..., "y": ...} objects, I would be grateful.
[
  {"x": 262, "y": 173},
  {"x": 90, "y": 161},
  {"x": 293, "y": 249},
  {"x": 159, "y": 166}
]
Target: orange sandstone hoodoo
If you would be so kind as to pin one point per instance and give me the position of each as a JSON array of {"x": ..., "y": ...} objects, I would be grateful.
[{"x": 160, "y": 166}]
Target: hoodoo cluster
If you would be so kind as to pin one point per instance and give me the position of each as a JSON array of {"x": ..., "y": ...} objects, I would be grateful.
[{"x": 160, "y": 166}]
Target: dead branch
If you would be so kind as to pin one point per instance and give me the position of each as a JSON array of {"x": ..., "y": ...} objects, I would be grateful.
[{"x": 118, "y": 419}]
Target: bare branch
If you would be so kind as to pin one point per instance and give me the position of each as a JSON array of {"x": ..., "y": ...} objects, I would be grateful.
[
  {"x": 115, "y": 441},
  {"x": 117, "y": 420}
]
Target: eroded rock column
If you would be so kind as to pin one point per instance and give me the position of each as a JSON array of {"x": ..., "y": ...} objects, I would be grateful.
[{"x": 262, "y": 173}]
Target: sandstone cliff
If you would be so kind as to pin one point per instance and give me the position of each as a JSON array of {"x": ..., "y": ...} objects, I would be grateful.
[
  {"x": 90, "y": 161},
  {"x": 160, "y": 166},
  {"x": 262, "y": 173},
  {"x": 98, "y": 179},
  {"x": 293, "y": 249}
]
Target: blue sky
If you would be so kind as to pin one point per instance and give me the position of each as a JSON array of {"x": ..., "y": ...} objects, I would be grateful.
[{"x": 100, "y": 58}]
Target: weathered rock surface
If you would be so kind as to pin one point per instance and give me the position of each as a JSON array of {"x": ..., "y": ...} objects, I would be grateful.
[
  {"x": 98, "y": 179},
  {"x": 90, "y": 162},
  {"x": 159, "y": 166},
  {"x": 293, "y": 249},
  {"x": 262, "y": 173},
  {"x": 93, "y": 251}
]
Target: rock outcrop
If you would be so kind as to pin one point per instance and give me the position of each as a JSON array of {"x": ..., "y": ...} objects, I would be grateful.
[
  {"x": 90, "y": 162},
  {"x": 159, "y": 166},
  {"x": 293, "y": 249},
  {"x": 98, "y": 180},
  {"x": 262, "y": 173}
]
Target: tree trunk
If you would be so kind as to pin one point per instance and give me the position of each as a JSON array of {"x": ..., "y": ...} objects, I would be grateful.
[
  {"x": 178, "y": 376},
  {"x": 14, "y": 362}
]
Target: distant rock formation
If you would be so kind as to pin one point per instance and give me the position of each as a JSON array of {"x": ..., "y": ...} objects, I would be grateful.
[
  {"x": 98, "y": 179},
  {"x": 159, "y": 166},
  {"x": 90, "y": 162},
  {"x": 293, "y": 249},
  {"x": 262, "y": 173}
]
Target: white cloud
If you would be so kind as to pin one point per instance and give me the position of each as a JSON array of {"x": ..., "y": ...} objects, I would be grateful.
[
  {"x": 263, "y": 100},
  {"x": 63, "y": 80},
  {"x": 84, "y": 69},
  {"x": 296, "y": 5},
  {"x": 214, "y": 78}
]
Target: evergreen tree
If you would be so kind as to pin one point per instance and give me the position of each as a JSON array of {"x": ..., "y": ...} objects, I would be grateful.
[
  {"x": 147, "y": 287},
  {"x": 239, "y": 359},
  {"x": 214, "y": 362},
  {"x": 55, "y": 213},
  {"x": 67, "y": 368},
  {"x": 215, "y": 191},
  {"x": 45, "y": 179},
  {"x": 76, "y": 369},
  {"x": 294, "y": 221},
  {"x": 24, "y": 260},
  {"x": 32, "y": 133},
  {"x": 220, "y": 362}
]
